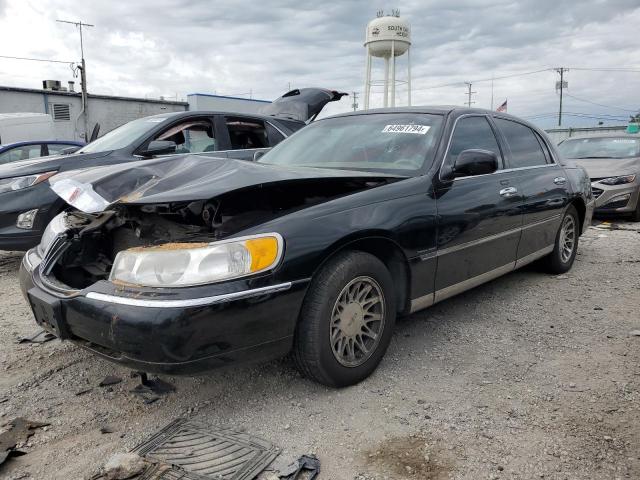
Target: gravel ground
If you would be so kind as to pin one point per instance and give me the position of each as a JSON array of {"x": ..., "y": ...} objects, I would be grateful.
[{"x": 529, "y": 376}]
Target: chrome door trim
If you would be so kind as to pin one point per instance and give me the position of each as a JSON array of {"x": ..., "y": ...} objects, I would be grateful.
[
  {"x": 460, "y": 287},
  {"x": 540, "y": 222},
  {"x": 422, "y": 302},
  {"x": 472, "y": 243},
  {"x": 532, "y": 257}
]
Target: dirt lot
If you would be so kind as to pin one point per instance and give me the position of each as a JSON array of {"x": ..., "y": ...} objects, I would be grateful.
[{"x": 529, "y": 376}]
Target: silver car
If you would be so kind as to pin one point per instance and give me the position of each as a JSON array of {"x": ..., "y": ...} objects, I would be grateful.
[{"x": 613, "y": 164}]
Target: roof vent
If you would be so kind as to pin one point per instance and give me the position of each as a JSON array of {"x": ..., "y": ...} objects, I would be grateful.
[{"x": 51, "y": 85}]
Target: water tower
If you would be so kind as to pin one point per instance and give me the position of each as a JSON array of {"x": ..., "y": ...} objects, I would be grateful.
[{"x": 388, "y": 37}]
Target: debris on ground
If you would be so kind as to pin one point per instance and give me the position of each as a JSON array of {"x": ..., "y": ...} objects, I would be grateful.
[
  {"x": 307, "y": 465},
  {"x": 39, "y": 337},
  {"x": 123, "y": 466},
  {"x": 18, "y": 431},
  {"x": 195, "y": 450},
  {"x": 150, "y": 390},
  {"x": 109, "y": 380},
  {"x": 106, "y": 429},
  {"x": 635, "y": 333}
]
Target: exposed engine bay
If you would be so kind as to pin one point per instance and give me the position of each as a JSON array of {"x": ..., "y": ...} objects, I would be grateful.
[{"x": 94, "y": 239}]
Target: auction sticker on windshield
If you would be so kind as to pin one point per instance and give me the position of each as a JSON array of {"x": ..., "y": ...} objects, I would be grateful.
[{"x": 419, "y": 129}]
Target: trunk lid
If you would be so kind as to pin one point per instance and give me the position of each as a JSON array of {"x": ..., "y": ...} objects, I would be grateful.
[{"x": 302, "y": 104}]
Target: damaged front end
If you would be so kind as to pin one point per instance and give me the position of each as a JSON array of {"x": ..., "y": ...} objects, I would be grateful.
[
  {"x": 94, "y": 240},
  {"x": 177, "y": 278}
]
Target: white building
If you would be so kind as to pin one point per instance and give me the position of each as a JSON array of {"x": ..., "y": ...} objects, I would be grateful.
[
  {"x": 65, "y": 108},
  {"x": 109, "y": 111}
]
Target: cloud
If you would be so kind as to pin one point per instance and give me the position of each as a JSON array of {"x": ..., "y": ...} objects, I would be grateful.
[{"x": 176, "y": 47}]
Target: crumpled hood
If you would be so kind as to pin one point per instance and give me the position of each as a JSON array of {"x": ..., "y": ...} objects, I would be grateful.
[
  {"x": 177, "y": 179},
  {"x": 41, "y": 164},
  {"x": 608, "y": 167}
]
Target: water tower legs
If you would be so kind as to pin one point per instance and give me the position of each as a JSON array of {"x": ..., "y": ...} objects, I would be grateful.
[
  {"x": 409, "y": 76},
  {"x": 393, "y": 73},
  {"x": 367, "y": 80},
  {"x": 386, "y": 82}
]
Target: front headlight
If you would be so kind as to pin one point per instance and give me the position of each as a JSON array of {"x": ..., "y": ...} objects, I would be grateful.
[
  {"x": 18, "y": 183},
  {"x": 618, "y": 180},
  {"x": 57, "y": 225},
  {"x": 186, "y": 264}
]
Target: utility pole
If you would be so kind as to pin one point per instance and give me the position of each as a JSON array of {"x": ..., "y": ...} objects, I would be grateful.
[
  {"x": 561, "y": 85},
  {"x": 469, "y": 93},
  {"x": 83, "y": 78},
  {"x": 355, "y": 101}
]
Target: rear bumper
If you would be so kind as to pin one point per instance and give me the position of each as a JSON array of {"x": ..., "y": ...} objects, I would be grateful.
[{"x": 166, "y": 334}]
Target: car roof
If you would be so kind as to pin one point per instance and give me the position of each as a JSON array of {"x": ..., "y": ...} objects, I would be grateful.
[
  {"x": 189, "y": 113},
  {"x": 454, "y": 110},
  {"x": 25, "y": 143}
]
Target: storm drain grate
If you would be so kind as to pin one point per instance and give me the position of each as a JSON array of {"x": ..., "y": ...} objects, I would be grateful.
[{"x": 201, "y": 452}]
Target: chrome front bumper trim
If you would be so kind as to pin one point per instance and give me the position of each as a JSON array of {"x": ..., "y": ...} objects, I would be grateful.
[{"x": 189, "y": 302}]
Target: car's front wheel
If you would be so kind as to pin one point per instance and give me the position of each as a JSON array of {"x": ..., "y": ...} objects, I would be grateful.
[
  {"x": 565, "y": 249},
  {"x": 346, "y": 321}
]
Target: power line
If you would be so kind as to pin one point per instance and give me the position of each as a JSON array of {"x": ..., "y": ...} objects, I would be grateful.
[
  {"x": 600, "y": 104},
  {"x": 630, "y": 70},
  {"x": 35, "y": 59},
  {"x": 511, "y": 75}
]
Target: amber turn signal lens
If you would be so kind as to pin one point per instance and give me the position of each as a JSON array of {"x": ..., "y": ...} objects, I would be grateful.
[{"x": 264, "y": 252}]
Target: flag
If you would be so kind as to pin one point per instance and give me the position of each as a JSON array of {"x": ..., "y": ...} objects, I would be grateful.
[{"x": 502, "y": 108}]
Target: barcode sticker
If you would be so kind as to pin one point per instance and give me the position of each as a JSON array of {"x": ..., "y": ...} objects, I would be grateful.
[{"x": 419, "y": 129}]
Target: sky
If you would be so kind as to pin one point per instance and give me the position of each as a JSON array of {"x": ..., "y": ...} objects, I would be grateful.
[{"x": 170, "y": 48}]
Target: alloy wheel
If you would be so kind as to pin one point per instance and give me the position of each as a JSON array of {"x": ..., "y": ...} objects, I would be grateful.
[
  {"x": 357, "y": 321},
  {"x": 567, "y": 238}
]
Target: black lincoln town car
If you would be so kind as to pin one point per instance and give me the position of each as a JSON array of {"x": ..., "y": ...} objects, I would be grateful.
[{"x": 183, "y": 265}]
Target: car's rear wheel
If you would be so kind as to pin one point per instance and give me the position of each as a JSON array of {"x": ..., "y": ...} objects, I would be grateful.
[
  {"x": 565, "y": 249},
  {"x": 346, "y": 321}
]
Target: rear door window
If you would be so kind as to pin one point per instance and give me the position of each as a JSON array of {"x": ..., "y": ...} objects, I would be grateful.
[
  {"x": 21, "y": 153},
  {"x": 523, "y": 144},
  {"x": 247, "y": 133},
  {"x": 191, "y": 136}
]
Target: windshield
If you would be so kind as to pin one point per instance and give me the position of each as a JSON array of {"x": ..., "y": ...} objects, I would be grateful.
[
  {"x": 398, "y": 143},
  {"x": 123, "y": 135},
  {"x": 611, "y": 147}
]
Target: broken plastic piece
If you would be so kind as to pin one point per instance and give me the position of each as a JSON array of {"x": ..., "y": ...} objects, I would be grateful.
[
  {"x": 109, "y": 380},
  {"x": 19, "y": 430},
  {"x": 151, "y": 389},
  {"x": 307, "y": 465},
  {"x": 39, "y": 337}
]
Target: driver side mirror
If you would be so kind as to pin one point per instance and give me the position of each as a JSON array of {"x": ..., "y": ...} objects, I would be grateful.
[
  {"x": 475, "y": 162},
  {"x": 159, "y": 147}
]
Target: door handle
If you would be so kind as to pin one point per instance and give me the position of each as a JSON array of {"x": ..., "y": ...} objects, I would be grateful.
[
  {"x": 509, "y": 192},
  {"x": 559, "y": 180}
]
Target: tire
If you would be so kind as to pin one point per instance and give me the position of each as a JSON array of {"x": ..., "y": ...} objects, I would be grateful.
[
  {"x": 559, "y": 261},
  {"x": 635, "y": 216},
  {"x": 329, "y": 292}
]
